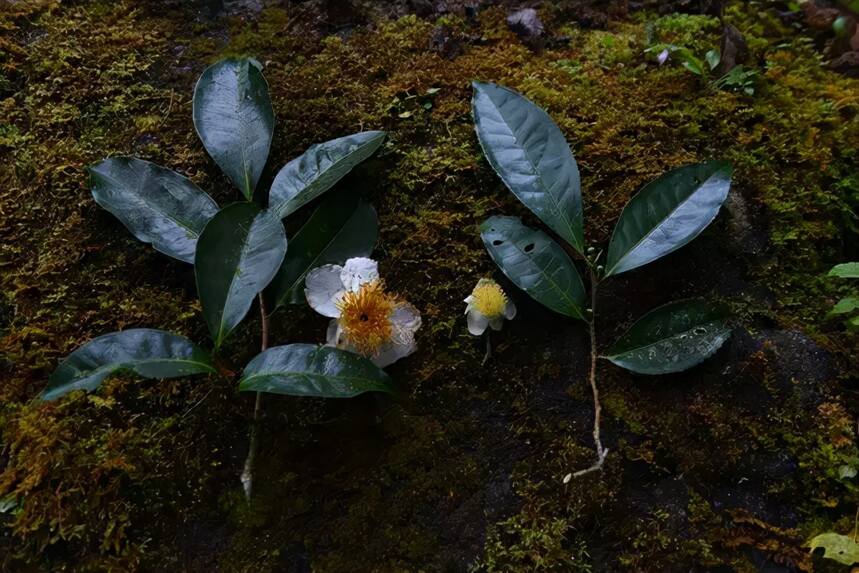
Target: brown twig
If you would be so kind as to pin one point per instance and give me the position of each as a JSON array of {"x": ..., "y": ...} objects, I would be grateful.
[
  {"x": 247, "y": 477},
  {"x": 601, "y": 451}
]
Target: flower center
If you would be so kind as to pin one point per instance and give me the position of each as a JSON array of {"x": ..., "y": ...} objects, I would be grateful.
[
  {"x": 365, "y": 317},
  {"x": 489, "y": 299}
]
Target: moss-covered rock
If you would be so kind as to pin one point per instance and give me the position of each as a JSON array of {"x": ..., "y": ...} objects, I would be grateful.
[{"x": 736, "y": 462}]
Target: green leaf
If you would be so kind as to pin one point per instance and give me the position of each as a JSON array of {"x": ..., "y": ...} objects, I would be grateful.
[
  {"x": 535, "y": 263},
  {"x": 666, "y": 214},
  {"x": 340, "y": 228},
  {"x": 839, "y": 548},
  {"x": 234, "y": 119},
  {"x": 840, "y": 26},
  {"x": 845, "y": 271},
  {"x": 146, "y": 352},
  {"x": 157, "y": 205},
  {"x": 238, "y": 254},
  {"x": 713, "y": 58},
  {"x": 694, "y": 65},
  {"x": 846, "y": 472},
  {"x": 310, "y": 370},
  {"x": 528, "y": 151},
  {"x": 319, "y": 168},
  {"x": 672, "y": 338},
  {"x": 845, "y": 305}
]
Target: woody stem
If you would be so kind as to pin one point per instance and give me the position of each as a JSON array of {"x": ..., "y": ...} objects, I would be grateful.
[
  {"x": 247, "y": 477},
  {"x": 600, "y": 450}
]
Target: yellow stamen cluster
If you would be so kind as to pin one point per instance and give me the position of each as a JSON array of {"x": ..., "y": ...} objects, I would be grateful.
[
  {"x": 365, "y": 317},
  {"x": 489, "y": 299}
]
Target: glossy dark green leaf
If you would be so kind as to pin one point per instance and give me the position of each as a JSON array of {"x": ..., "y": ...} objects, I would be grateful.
[
  {"x": 340, "y": 228},
  {"x": 319, "y": 168},
  {"x": 234, "y": 119},
  {"x": 666, "y": 214},
  {"x": 146, "y": 352},
  {"x": 672, "y": 338},
  {"x": 535, "y": 263},
  {"x": 157, "y": 205},
  {"x": 238, "y": 254},
  {"x": 311, "y": 370},
  {"x": 528, "y": 151}
]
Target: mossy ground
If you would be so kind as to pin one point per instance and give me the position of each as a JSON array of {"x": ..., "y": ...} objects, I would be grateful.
[{"x": 723, "y": 468}]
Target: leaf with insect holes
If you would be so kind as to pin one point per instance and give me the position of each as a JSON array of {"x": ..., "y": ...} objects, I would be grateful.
[
  {"x": 839, "y": 548},
  {"x": 535, "y": 263}
]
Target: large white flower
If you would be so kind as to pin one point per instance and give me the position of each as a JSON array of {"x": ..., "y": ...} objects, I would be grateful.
[
  {"x": 487, "y": 305},
  {"x": 367, "y": 320}
]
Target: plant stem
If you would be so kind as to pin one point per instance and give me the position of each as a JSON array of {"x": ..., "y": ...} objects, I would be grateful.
[
  {"x": 601, "y": 451},
  {"x": 488, "y": 348},
  {"x": 247, "y": 477}
]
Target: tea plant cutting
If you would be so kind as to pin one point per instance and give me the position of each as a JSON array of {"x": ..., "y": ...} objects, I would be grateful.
[
  {"x": 530, "y": 154},
  {"x": 239, "y": 252}
]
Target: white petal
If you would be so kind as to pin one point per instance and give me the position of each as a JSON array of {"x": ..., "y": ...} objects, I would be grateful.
[
  {"x": 392, "y": 352},
  {"x": 332, "y": 337},
  {"x": 405, "y": 320},
  {"x": 468, "y": 300},
  {"x": 323, "y": 289},
  {"x": 358, "y": 271},
  {"x": 510, "y": 310},
  {"x": 496, "y": 323},
  {"x": 477, "y": 322}
]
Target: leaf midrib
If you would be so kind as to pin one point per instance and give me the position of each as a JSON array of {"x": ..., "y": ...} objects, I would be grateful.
[
  {"x": 656, "y": 226},
  {"x": 555, "y": 201},
  {"x": 233, "y": 277},
  {"x": 120, "y": 365},
  {"x": 151, "y": 206}
]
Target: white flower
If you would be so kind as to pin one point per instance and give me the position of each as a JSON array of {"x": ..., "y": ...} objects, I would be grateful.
[
  {"x": 487, "y": 305},
  {"x": 367, "y": 320}
]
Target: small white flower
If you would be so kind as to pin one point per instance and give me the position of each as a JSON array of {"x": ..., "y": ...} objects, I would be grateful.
[
  {"x": 487, "y": 305},
  {"x": 367, "y": 320}
]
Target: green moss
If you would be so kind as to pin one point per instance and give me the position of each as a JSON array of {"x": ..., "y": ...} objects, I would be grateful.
[{"x": 534, "y": 543}]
